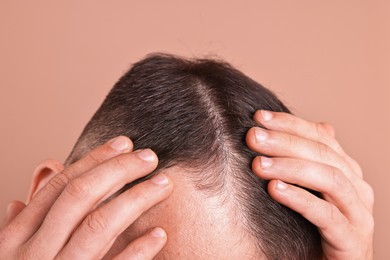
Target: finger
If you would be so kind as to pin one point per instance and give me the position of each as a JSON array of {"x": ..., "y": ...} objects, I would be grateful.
[
  {"x": 366, "y": 193},
  {"x": 320, "y": 132},
  {"x": 13, "y": 209},
  {"x": 288, "y": 123},
  {"x": 34, "y": 213},
  {"x": 285, "y": 145},
  {"x": 94, "y": 237},
  {"x": 328, "y": 128},
  {"x": 145, "y": 247},
  {"x": 334, "y": 227},
  {"x": 84, "y": 193},
  {"x": 330, "y": 181}
]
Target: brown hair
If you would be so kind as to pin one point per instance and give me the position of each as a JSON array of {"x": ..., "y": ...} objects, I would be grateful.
[{"x": 195, "y": 113}]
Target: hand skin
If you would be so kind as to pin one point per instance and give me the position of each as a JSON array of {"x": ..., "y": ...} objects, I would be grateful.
[
  {"x": 307, "y": 154},
  {"x": 65, "y": 217}
]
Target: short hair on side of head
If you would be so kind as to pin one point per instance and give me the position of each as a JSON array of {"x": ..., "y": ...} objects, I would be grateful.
[{"x": 195, "y": 113}]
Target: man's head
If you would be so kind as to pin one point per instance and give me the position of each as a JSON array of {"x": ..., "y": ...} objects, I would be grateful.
[{"x": 195, "y": 114}]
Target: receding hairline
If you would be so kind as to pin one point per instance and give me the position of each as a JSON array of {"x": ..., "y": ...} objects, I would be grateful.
[{"x": 231, "y": 155}]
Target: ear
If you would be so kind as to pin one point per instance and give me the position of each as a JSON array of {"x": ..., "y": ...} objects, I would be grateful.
[{"x": 42, "y": 174}]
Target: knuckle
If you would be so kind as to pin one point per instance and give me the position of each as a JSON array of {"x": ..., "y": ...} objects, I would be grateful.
[
  {"x": 341, "y": 186},
  {"x": 325, "y": 134},
  {"x": 332, "y": 218},
  {"x": 357, "y": 167},
  {"x": 141, "y": 197},
  {"x": 27, "y": 252},
  {"x": 335, "y": 146},
  {"x": 369, "y": 195},
  {"x": 338, "y": 180},
  {"x": 291, "y": 142},
  {"x": 78, "y": 188},
  {"x": 57, "y": 182},
  {"x": 333, "y": 213},
  {"x": 92, "y": 157},
  {"x": 323, "y": 151},
  {"x": 96, "y": 222},
  {"x": 119, "y": 164},
  {"x": 12, "y": 249},
  {"x": 307, "y": 204}
]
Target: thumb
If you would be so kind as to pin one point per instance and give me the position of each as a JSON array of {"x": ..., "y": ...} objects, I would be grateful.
[{"x": 13, "y": 209}]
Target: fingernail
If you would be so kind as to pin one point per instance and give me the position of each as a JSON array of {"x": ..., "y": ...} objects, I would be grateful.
[
  {"x": 267, "y": 115},
  {"x": 120, "y": 143},
  {"x": 158, "y": 232},
  {"x": 160, "y": 179},
  {"x": 146, "y": 155},
  {"x": 281, "y": 186},
  {"x": 265, "y": 162},
  {"x": 260, "y": 135}
]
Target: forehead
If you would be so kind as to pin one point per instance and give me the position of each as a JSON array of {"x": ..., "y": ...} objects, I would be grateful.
[{"x": 199, "y": 226}]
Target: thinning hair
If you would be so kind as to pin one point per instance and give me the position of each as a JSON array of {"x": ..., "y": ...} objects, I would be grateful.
[{"x": 195, "y": 113}]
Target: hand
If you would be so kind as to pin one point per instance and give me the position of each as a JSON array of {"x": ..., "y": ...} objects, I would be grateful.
[
  {"x": 66, "y": 219},
  {"x": 307, "y": 154}
]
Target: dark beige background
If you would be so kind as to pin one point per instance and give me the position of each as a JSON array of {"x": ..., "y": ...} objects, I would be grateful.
[{"x": 328, "y": 60}]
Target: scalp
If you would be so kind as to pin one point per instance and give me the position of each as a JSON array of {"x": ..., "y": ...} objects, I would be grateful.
[{"x": 195, "y": 114}]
